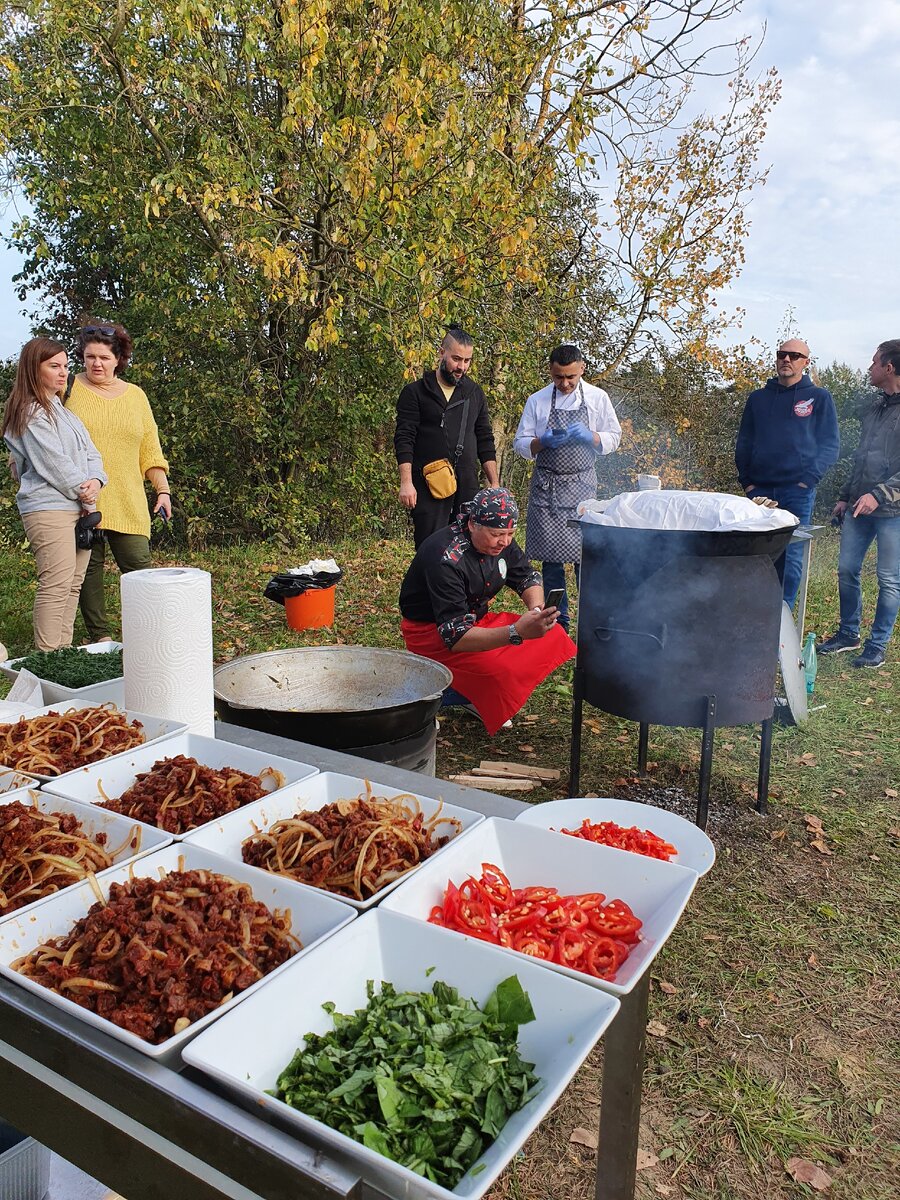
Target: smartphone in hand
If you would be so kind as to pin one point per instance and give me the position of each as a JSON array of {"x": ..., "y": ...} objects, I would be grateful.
[{"x": 553, "y": 598}]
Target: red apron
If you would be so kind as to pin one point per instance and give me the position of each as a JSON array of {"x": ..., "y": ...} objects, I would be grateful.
[{"x": 498, "y": 682}]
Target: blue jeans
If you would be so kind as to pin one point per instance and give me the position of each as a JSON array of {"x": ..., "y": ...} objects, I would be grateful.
[
  {"x": 799, "y": 501},
  {"x": 857, "y": 535},
  {"x": 554, "y": 576}
]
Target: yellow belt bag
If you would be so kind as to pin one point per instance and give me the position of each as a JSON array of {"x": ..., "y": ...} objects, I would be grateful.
[
  {"x": 440, "y": 478},
  {"x": 440, "y": 475}
]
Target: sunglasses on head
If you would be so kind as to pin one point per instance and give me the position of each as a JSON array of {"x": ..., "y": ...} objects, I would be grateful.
[
  {"x": 106, "y": 330},
  {"x": 793, "y": 355}
]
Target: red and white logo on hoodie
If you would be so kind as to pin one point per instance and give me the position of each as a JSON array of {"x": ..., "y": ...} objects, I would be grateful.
[{"x": 803, "y": 408}]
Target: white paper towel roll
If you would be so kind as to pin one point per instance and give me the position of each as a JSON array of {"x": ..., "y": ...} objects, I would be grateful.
[{"x": 167, "y": 658}]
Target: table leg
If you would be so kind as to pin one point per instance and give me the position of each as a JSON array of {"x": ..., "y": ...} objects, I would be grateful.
[
  {"x": 804, "y": 587},
  {"x": 620, "y": 1100},
  {"x": 765, "y": 761}
]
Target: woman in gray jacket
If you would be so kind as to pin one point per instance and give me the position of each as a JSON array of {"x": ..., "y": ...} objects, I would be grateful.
[{"x": 60, "y": 475}]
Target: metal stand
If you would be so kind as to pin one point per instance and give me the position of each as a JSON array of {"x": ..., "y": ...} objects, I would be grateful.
[
  {"x": 575, "y": 747},
  {"x": 765, "y": 762},
  {"x": 643, "y": 743},
  {"x": 706, "y": 753},
  {"x": 620, "y": 1100}
]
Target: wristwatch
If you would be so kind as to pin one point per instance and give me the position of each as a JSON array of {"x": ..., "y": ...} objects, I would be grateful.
[{"x": 515, "y": 638}]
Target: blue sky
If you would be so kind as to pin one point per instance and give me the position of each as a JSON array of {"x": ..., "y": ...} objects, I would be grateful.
[{"x": 825, "y": 228}]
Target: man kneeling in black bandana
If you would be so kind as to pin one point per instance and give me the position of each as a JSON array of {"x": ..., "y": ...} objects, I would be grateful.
[{"x": 497, "y": 659}]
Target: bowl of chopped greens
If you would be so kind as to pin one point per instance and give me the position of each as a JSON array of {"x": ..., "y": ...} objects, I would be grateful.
[
  {"x": 425, "y": 1058},
  {"x": 74, "y": 672}
]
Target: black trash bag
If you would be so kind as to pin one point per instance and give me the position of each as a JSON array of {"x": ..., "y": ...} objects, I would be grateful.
[{"x": 287, "y": 585}]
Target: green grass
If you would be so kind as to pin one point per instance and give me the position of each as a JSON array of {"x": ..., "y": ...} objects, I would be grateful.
[{"x": 782, "y": 1030}]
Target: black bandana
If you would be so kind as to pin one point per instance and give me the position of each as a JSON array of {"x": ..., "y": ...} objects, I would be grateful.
[{"x": 493, "y": 507}]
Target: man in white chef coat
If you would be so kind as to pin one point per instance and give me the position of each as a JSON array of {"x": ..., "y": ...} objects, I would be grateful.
[{"x": 564, "y": 427}]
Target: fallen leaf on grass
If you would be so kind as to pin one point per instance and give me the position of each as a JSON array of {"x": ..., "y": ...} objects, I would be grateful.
[
  {"x": 813, "y": 961},
  {"x": 891, "y": 793},
  {"x": 645, "y": 1159},
  {"x": 806, "y": 760},
  {"x": 526, "y": 749},
  {"x": 663, "y": 1190},
  {"x": 818, "y": 844},
  {"x": 778, "y": 835},
  {"x": 895, "y": 833},
  {"x": 624, "y": 737},
  {"x": 703, "y": 1022},
  {"x": 804, "y": 1171},
  {"x": 657, "y": 1029},
  {"x": 669, "y": 988},
  {"x": 531, "y": 718},
  {"x": 813, "y": 823},
  {"x": 585, "y": 1137},
  {"x": 838, "y": 792}
]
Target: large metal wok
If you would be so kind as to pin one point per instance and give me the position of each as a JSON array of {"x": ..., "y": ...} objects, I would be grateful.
[{"x": 336, "y": 696}]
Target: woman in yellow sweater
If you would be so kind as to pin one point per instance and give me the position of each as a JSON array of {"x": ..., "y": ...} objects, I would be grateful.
[{"x": 118, "y": 417}]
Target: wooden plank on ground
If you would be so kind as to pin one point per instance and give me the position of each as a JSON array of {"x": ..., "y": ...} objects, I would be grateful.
[
  {"x": 518, "y": 770},
  {"x": 490, "y": 784}
]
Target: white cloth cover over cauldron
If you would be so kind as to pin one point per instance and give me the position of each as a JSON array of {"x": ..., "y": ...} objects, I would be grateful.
[{"x": 712, "y": 512}]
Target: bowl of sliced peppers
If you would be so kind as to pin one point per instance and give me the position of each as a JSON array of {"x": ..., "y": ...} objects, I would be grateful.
[{"x": 589, "y": 911}]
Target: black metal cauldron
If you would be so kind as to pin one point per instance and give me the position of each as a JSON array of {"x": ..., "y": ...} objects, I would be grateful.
[
  {"x": 679, "y": 628},
  {"x": 354, "y": 698}
]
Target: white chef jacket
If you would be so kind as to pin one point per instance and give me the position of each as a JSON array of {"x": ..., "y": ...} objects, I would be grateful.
[{"x": 536, "y": 416}]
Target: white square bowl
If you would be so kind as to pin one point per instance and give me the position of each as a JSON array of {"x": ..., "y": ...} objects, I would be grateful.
[
  {"x": 228, "y": 835},
  {"x": 249, "y": 1049},
  {"x": 314, "y": 917},
  {"x": 117, "y": 774},
  {"x": 656, "y": 891},
  {"x": 54, "y": 693},
  {"x": 14, "y": 781},
  {"x": 155, "y": 730},
  {"x": 129, "y": 838}
]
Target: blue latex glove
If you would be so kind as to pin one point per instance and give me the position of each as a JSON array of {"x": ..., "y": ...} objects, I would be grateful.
[
  {"x": 580, "y": 434},
  {"x": 551, "y": 438}
]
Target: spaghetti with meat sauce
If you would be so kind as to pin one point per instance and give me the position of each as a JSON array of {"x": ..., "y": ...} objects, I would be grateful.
[
  {"x": 160, "y": 954},
  {"x": 352, "y": 847},
  {"x": 54, "y": 742},
  {"x": 178, "y": 794}
]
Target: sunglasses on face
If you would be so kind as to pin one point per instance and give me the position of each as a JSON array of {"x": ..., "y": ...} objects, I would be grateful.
[
  {"x": 793, "y": 355},
  {"x": 106, "y": 330}
]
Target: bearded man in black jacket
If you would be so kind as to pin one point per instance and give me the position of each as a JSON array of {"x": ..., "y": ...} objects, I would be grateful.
[{"x": 443, "y": 415}]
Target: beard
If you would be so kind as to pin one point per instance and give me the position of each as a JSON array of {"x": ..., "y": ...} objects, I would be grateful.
[{"x": 449, "y": 376}]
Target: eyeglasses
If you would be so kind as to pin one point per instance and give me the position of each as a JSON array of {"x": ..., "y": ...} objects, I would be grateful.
[
  {"x": 106, "y": 330},
  {"x": 793, "y": 355}
]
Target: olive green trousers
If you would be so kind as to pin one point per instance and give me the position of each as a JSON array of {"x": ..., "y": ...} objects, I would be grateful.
[{"x": 132, "y": 553}]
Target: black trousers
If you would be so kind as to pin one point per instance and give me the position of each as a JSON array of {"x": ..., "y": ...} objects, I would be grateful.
[{"x": 429, "y": 515}]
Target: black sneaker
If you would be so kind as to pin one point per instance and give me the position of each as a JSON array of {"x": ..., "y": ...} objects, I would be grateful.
[
  {"x": 870, "y": 657},
  {"x": 838, "y": 644}
]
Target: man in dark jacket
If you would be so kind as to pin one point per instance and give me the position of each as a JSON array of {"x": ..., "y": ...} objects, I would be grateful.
[
  {"x": 436, "y": 415},
  {"x": 787, "y": 441},
  {"x": 869, "y": 508}
]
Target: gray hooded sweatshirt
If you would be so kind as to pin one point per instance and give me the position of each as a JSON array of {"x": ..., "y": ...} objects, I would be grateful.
[{"x": 53, "y": 457}]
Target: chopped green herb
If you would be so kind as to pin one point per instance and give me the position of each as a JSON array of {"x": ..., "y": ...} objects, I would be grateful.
[
  {"x": 425, "y": 1078},
  {"x": 72, "y": 667}
]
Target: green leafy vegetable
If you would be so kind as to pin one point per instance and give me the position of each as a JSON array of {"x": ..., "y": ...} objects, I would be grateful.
[
  {"x": 425, "y": 1078},
  {"x": 72, "y": 667}
]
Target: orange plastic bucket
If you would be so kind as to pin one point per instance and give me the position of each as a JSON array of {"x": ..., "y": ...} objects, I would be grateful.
[{"x": 311, "y": 610}]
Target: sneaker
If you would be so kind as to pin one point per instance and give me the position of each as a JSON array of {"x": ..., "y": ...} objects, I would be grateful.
[
  {"x": 838, "y": 644},
  {"x": 870, "y": 657},
  {"x": 470, "y": 708}
]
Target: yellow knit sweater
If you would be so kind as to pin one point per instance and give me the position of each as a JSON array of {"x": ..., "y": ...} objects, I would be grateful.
[{"x": 124, "y": 431}]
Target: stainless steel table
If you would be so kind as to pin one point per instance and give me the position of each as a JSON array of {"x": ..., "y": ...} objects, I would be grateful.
[{"x": 154, "y": 1133}]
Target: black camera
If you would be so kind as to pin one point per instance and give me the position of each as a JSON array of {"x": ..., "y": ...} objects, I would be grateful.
[{"x": 87, "y": 531}]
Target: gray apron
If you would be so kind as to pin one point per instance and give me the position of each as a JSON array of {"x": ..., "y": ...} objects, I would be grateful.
[{"x": 562, "y": 478}]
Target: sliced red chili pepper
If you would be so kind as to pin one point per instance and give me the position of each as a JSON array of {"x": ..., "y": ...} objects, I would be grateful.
[
  {"x": 529, "y": 943},
  {"x": 496, "y": 886},
  {"x": 603, "y": 958}
]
